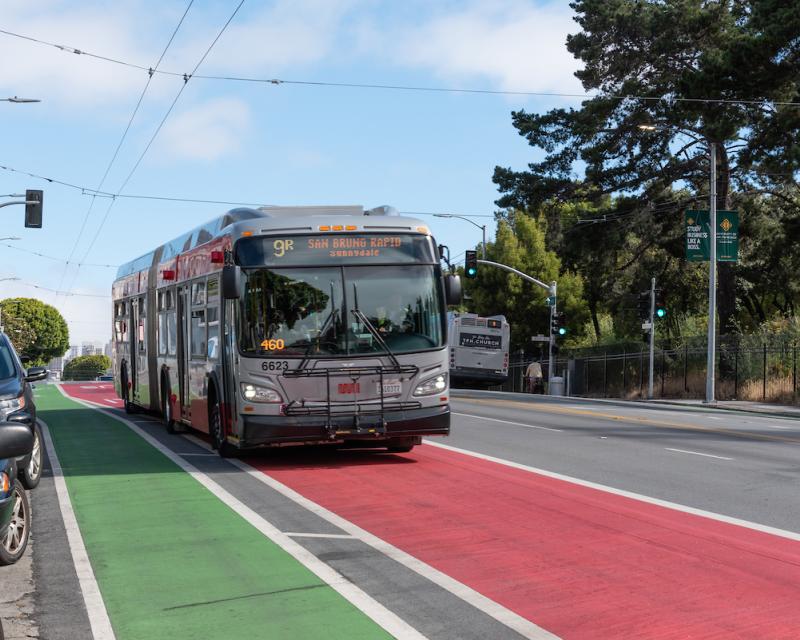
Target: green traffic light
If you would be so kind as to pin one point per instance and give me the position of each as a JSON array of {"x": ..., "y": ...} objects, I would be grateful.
[
  {"x": 661, "y": 312},
  {"x": 562, "y": 331},
  {"x": 472, "y": 271}
]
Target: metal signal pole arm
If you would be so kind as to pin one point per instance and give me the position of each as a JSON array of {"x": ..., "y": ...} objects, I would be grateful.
[
  {"x": 8, "y": 204},
  {"x": 550, "y": 288}
]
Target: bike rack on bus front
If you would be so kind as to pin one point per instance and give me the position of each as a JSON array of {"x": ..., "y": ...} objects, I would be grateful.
[{"x": 361, "y": 409}]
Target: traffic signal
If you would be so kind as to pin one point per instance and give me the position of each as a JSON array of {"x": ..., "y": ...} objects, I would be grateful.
[
  {"x": 644, "y": 306},
  {"x": 661, "y": 307},
  {"x": 33, "y": 211},
  {"x": 471, "y": 264},
  {"x": 558, "y": 326}
]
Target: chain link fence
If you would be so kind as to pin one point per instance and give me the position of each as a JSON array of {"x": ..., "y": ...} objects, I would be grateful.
[{"x": 755, "y": 368}]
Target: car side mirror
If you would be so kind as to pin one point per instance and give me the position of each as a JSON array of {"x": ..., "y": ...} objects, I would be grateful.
[
  {"x": 16, "y": 440},
  {"x": 231, "y": 282},
  {"x": 35, "y": 373},
  {"x": 23, "y": 358},
  {"x": 452, "y": 289}
]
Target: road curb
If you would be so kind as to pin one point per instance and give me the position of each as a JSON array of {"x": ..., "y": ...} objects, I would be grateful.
[{"x": 531, "y": 398}]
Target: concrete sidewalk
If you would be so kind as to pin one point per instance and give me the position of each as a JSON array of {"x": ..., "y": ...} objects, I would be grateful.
[{"x": 775, "y": 410}]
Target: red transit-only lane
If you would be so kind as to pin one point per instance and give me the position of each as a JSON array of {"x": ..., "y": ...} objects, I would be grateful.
[
  {"x": 101, "y": 393},
  {"x": 579, "y": 562}
]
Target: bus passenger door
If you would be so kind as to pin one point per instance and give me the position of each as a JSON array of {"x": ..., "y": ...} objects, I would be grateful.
[
  {"x": 183, "y": 350},
  {"x": 133, "y": 351}
]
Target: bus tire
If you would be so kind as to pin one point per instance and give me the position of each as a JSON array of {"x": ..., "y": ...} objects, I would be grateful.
[
  {"x": 31, "y": 474},
  {"x": 166, "y": 409},
  {"x": 401, "y": 445},
  {"x": 223, "y": 447}
]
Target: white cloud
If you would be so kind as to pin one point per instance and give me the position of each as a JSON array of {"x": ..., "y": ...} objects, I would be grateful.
[
  {"x": 207, "y": 131},
  {"x": 515, "y": 45},
  {"x": 63, "y": 79},
  {"x": 264, "y": 42}
]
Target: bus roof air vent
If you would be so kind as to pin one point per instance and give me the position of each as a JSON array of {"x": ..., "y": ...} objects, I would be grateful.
[
  {"x": 383, "y": 210},
  {"x": 325, "y": 210}
]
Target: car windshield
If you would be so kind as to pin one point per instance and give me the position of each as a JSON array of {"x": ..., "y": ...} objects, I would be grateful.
[
  {"x": 7, "y": 368},
  {"x": 338, "y": 310}
]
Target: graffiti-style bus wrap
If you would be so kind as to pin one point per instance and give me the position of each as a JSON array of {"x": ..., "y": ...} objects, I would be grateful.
[{"x": 286, "y": 326}]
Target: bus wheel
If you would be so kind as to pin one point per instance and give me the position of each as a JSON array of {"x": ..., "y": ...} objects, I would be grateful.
[
  {"x": 223, "y": 447},
  {"x": 166, "y": 410},
  {"x": 401, "y": 445}
]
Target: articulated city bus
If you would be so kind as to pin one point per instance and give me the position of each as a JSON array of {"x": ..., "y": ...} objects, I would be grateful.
[
  {"x": 478, "y": 349},
  {"x": 291, "y": 325}
]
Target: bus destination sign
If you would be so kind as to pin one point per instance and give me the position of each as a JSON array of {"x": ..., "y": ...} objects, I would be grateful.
[
  {"x": 333, "y": 248},
  {"x": 480, "y": 341}
]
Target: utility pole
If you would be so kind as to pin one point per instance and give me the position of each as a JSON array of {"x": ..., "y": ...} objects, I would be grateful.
[
  {"x": 652, "y": 337},
  {"x": 712, "y": 279}
]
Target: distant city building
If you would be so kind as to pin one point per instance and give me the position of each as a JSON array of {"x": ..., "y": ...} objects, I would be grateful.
[
  {"x": 56, "y": 367},
  {"x": 74, "y": 351},
  {"x": 108, "y": 349}
]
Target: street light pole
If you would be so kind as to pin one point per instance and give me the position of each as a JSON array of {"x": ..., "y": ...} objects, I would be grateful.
[
  {"x": 712, "y": 278},
  {"x": 17, "y": 100},
  {"x": 482, "y": 227}
]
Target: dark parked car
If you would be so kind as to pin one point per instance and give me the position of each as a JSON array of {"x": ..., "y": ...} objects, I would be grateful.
[
  {"x": 16, "y": 405},
  {"x": 16, "y": 440}
]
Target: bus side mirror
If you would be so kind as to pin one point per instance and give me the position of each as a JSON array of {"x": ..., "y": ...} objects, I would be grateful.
[
  {"x": 231, "y": 282},
  {"x": 452, "y": 289}
]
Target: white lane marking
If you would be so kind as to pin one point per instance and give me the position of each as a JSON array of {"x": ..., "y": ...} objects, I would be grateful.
[
  {"x": 715, "y": 418},
  {"x": 92, "y": 598},
  {"x": 505, "y": 616},
  {"x": 334, "y": 536},
  {"x": 697, "y": 453},
  {"x": 198, "y": 455},
  {"x": 519, "y": 424},
  {"x": 391, "y": 622},
  {"x": 783, "y": 533},
  {"x": 777, "y": 426},
  {"x": 114, "y": 401},
  {"x": 89, "y": 386}
]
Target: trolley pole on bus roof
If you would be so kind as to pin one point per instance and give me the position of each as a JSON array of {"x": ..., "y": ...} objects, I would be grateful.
[{"x": 551, "y": 290}]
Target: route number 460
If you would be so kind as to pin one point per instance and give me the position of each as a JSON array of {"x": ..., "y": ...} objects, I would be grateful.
[{"x": 273, "y": 345}]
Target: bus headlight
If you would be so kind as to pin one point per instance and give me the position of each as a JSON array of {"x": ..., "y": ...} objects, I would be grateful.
[
  {"x": 254, "y": 393},
  {"x": 431, "y": 386}
]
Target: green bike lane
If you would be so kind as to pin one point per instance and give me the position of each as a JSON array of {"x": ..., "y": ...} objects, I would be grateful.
[{"x": 170, "y": 558}]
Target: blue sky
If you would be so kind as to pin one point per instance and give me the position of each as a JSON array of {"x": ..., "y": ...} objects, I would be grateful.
[{"x": 262, "y": 143}]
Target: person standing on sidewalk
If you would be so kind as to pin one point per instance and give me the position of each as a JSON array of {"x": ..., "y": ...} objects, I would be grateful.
[{"x": 533, "y": 377}]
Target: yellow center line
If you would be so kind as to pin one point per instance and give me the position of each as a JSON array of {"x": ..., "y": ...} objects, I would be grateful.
[{"x": 638, "y": 420}]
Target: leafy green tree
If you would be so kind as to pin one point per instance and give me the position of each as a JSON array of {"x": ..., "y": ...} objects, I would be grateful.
[
  {"x": 86, "y": 367},
  {"x": 36, "y": 329},
  {"x": 520, "y": 243},
  {"x": 653, "y": 65}
]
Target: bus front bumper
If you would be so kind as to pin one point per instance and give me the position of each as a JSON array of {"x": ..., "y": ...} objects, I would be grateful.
[{"x": 284, "y": 430}]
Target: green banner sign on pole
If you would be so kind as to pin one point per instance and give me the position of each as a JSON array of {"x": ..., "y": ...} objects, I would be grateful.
[{"x": 698, "y": 245}]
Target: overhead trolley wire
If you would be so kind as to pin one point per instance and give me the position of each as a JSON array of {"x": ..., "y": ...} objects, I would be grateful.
[
  {"x": 186, "y": 79},
  {"x": 120, "y": 143},
  {"x": 398, "y": 87}
]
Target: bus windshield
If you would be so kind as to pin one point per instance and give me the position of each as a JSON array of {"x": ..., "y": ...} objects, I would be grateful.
[{"x": 309, "y": 311}]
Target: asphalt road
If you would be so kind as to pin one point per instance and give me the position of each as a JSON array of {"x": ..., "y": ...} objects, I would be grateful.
[
  {"x": 428, "y": 534},
  {"x": 739, "y": 465}
]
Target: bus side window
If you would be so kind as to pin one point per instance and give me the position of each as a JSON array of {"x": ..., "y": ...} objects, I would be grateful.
[
  {"x": 198, "y": 333},
  {"x": 213, "y": 332},
  {"x": 142, "y": 343}
]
